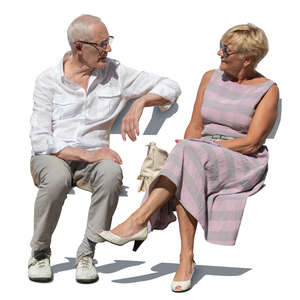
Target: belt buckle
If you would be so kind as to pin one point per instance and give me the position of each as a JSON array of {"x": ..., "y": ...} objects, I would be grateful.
[{"x": 217, "y": 137}]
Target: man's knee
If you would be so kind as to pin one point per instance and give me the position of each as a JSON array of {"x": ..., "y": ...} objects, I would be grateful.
[
  {"x": 108, "y": 174},
  {"x": 54, "y": 189},
  {"x": 51, "y": 173},
  {"x": 60, "y": 182}
]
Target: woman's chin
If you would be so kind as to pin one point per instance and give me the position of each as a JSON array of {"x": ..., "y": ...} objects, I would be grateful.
[{"x": 222, "y": 66}]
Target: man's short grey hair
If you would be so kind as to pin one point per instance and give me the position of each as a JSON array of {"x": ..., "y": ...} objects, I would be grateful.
[{"x": 80, "y": 29}]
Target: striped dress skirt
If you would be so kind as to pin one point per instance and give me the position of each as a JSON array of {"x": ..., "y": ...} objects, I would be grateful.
[{"x": 213, "y": 184}]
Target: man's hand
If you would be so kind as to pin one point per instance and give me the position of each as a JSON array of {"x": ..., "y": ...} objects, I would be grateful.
[
  {"x": 130, "y": 123},
  {"x": 102, "y": 154}
]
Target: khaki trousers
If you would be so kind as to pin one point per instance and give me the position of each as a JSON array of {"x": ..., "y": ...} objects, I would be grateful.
[{"x": 54, "y": 178}]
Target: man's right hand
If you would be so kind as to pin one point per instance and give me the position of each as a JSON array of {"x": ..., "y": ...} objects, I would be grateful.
[{"x": 102, "y": 154}]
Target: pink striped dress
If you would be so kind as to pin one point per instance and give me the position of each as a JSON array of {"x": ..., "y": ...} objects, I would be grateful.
[{"x": 213, "y": 182}]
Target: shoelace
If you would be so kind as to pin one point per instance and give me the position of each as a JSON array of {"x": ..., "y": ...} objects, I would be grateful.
[
  {"x": 41, "y": 263},
  {"x": 84, "y": 262}
]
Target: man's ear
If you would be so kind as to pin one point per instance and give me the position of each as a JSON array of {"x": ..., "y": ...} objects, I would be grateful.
[{"x": 78, "y": 46}]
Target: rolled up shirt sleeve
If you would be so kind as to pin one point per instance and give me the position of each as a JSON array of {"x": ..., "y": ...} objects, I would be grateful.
[
  {"x": 41, "y": 135},
  {"x": 138, "y": 83}
]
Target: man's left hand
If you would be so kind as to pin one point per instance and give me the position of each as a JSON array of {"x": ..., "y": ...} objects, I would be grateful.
[{"x": 130, "y": 123}]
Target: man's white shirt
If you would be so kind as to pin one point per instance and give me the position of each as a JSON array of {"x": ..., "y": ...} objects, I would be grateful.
[{"x": 64, "y": 114}]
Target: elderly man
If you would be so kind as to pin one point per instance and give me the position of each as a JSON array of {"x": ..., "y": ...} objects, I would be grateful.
[{"x": 75, "y": 105}]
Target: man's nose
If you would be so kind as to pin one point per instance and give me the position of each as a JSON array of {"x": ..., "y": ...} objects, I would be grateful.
[
  {"x": 108, "y": 48},
  {"x": 220, "y": 52}
]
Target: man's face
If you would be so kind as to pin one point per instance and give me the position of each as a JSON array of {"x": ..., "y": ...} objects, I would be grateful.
[{"x": 94, "y": 54}]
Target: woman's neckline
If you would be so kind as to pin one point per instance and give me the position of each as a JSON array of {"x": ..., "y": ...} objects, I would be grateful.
[{"x": 227, "y": 80}]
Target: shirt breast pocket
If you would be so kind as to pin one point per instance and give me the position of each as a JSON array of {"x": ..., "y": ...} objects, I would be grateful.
[
  {"x": 65, "y": 107},
  {"x": 104, "y": 104}
]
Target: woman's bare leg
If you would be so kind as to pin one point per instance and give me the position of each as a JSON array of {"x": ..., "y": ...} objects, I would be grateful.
[
  {"x": 187, "y": 228},
  {"x": 163, "y": 191}
]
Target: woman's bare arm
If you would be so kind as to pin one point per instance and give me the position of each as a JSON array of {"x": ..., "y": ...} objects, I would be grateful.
[{"x": 195, "y": 126}]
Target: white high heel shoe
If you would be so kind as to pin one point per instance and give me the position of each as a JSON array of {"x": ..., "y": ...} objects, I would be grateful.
[
  {"x": 184, "y": 285},
  {"x": 138, "y": 238}
]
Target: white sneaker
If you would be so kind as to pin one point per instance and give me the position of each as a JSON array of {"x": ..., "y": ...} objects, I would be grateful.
[
  {"x": 85, "y": 270},
  {"x": 39, "y": 270}
]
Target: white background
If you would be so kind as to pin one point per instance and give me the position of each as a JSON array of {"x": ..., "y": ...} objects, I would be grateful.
[{"x": 178, "y": 39}]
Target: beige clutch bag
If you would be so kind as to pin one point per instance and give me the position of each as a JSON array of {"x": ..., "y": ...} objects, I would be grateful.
[{"x": 152, "y": 164}]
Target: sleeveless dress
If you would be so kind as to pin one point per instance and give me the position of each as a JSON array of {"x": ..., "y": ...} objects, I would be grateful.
[{"x": 213, "y": 182}]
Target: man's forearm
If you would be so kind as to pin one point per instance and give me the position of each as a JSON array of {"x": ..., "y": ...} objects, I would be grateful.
[
  {"x": 71, "y": 153},
  {"x": 153, "y": 100}
]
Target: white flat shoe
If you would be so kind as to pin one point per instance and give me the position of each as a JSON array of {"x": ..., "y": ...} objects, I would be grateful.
[
  {"x": 184, "y": 285},
  {"x": 138, "y": 238}
]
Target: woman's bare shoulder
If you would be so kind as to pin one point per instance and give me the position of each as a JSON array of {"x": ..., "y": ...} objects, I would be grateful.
[{"x": 206, "y": 77}]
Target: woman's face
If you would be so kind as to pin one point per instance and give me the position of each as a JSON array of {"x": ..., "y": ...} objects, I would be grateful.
[{"x": 231, "y": 61}]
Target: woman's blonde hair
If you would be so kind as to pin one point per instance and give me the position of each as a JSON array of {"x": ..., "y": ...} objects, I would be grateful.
[{"x": 248, "y": 40}]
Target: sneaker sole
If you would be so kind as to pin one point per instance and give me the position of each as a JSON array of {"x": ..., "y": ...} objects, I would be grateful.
[
  {"x": 41, "y": 279},
  {"x": 86, "y": 281}
]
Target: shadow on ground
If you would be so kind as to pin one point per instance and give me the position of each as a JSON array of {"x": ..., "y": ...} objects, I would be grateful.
[
  {"x": 158, "y": 270},
  {"x": 201, "y": 271},
  {"x": 116, "y": 266}
]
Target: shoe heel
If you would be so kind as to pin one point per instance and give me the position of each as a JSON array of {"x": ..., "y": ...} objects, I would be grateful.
[{"x": 136, "y": 245}]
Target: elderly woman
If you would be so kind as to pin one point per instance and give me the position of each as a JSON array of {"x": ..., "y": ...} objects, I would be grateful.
[{"x": 222, "y": 159}]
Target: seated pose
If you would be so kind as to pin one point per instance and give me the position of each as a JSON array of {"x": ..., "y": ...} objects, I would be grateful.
[
  {"x": 75, "y": 105},
  {"x": 222, "y": 160}
]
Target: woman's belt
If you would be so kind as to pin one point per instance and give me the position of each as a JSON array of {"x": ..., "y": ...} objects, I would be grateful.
[{"x": 218, "y": 137}]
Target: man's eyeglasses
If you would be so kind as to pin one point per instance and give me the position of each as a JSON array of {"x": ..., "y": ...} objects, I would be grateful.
[
  {"x": 103, "y": 45},
  {"x": 225, "y": 50}
]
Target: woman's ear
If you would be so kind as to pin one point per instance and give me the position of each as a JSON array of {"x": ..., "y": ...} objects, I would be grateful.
[{"x": 248, "y": 62}]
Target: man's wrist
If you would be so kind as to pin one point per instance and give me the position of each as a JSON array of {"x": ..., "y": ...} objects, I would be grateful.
[
  {"x": 153, "y": 100},
  {"x": 83, "y": 154},
  {"x": 142, "y": 101}
]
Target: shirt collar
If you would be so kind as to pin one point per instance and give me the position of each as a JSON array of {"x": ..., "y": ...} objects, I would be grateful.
[
  {"x": 96, "y": 73},
  {"x": 61, "y": 67}
]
